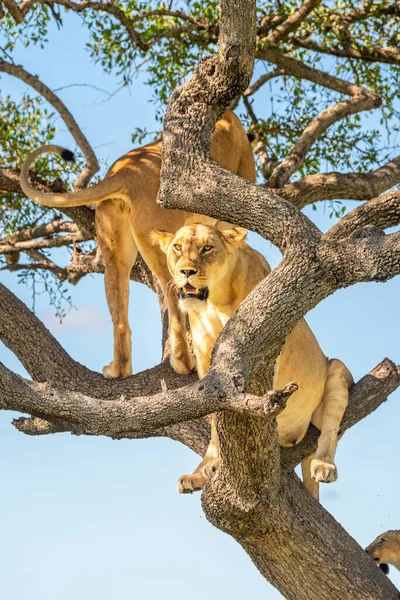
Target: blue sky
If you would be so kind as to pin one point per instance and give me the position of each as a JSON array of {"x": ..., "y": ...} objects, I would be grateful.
[{"x": 91, "y": 517}]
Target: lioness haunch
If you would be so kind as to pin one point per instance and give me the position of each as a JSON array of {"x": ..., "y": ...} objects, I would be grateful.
[
  {"x": 385, "y": 550},
  {"x": 214, "y": 271},
  {"x": 126, "y": 214}
]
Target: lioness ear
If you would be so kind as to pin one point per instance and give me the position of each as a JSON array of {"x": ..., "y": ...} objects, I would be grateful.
[
  {"x": 162, "y": 238},
  {"x": 236, "y": 233}
]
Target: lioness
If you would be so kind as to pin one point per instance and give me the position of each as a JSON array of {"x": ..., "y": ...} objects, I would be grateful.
[
  {"x": 385, "y": 550},
  {"x": 125, "y": 217},
  {"x": 213, "y": 272}
]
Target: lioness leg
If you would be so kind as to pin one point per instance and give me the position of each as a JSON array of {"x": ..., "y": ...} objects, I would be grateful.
[
  {"x": 119, "y": 254},
  {"x": 328, "y": 417},
  {"x": 194, "y": 482},
  {"x": 181, "y": 359},
  {"x": 309, "y": 482}
]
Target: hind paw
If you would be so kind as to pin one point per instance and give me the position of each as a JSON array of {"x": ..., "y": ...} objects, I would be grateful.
[{"x": 187, "y": 484}]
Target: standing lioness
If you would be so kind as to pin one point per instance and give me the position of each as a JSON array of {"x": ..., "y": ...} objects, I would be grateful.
[
  {"x": 213, "y": 272},
  {"x": 125, "y": 217}
]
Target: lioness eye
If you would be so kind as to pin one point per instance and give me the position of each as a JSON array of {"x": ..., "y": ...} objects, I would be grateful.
[
  {"x": 177, "y": 247},
  {"x": 206, "y": 248}
]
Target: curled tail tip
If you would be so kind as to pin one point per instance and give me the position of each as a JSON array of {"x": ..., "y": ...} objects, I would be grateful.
[
  {"x": 252, "y": 137},
  {"x": 67, "y": 155}
]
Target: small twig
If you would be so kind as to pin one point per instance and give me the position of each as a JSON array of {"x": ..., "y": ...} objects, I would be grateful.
[
  {"x": 282, "y": 31},
  {"x": 269, "y": 405}
]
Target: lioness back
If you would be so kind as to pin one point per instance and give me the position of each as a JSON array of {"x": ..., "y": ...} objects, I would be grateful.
[{"x": 230, "y": 148}]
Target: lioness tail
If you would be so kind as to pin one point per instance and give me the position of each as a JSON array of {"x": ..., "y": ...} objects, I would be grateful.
[{"x": 108, "y": 188}]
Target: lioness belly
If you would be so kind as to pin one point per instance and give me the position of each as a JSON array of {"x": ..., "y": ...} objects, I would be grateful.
[{"x": 303, "y": 361}]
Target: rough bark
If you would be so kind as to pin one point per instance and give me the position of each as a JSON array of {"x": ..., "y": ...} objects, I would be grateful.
[
  {"x": 344, "y": 186},
  {"x": 250, "y": 501},
  {"x": 254, "y": 496}
]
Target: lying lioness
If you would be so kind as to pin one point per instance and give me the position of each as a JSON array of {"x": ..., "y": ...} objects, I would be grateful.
[
  {"x": 213, "y": 272},
  {"x": 385, "y": 550},
  {"x": 125, "y": 217}
]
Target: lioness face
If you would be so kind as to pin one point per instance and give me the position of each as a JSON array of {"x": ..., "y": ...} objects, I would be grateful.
[
  {"x": 385, "y": 549},
  {"x": 198, "y": 259}
]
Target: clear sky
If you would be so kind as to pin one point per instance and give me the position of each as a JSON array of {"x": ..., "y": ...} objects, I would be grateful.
[{"x": 95, "y": 518}]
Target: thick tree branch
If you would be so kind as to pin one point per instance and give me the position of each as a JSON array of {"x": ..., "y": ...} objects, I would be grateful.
[
  {"x": 127, "y": 418},
  {"x": 45, "y": 359},
  {"x": 139, "y": 415},
  {"x": 381, "y": 212},
  {"x": 194, "y": 434},
  {"x": 345, "y": 186},
  {"x": 92, "y": 166},
  {"x": 288, "y": 541}
]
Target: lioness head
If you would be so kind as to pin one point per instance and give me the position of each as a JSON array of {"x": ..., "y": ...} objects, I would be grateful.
[
  {"x": 385, "y": 550},
  {"x": 198, "y": 258}
]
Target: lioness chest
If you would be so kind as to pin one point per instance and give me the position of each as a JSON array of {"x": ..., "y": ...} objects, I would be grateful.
[{"x": 205, "y": 327}]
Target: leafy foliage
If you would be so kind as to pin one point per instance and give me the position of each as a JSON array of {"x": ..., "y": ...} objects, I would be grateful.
[
  {"x": 24, "y": 126},
  {"x": 172, "y": 37},
  {"x": 164, "y": 41},
  {"x": 32, "y": 31}
]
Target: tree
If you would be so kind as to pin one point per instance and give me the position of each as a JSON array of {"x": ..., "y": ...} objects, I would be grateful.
[{"x": 253, "y": 504}]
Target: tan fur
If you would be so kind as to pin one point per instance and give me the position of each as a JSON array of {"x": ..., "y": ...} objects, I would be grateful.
[
  {"x": 386, "y": 549},
  {"x": 127, "y": 213},
  {"x": 220, "y": 261}
]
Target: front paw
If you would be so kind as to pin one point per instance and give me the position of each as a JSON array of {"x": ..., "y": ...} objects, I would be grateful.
[{"x": 323, "y": 471}]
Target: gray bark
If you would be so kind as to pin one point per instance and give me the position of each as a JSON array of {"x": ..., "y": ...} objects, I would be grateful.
[{"x": 259, "y": 502}]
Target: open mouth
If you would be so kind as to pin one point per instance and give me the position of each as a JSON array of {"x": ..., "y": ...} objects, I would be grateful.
[{"x": 188, "y": 291}]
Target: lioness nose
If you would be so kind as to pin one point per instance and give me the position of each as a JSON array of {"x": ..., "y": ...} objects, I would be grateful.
[{"x": 188, "y": 272}]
